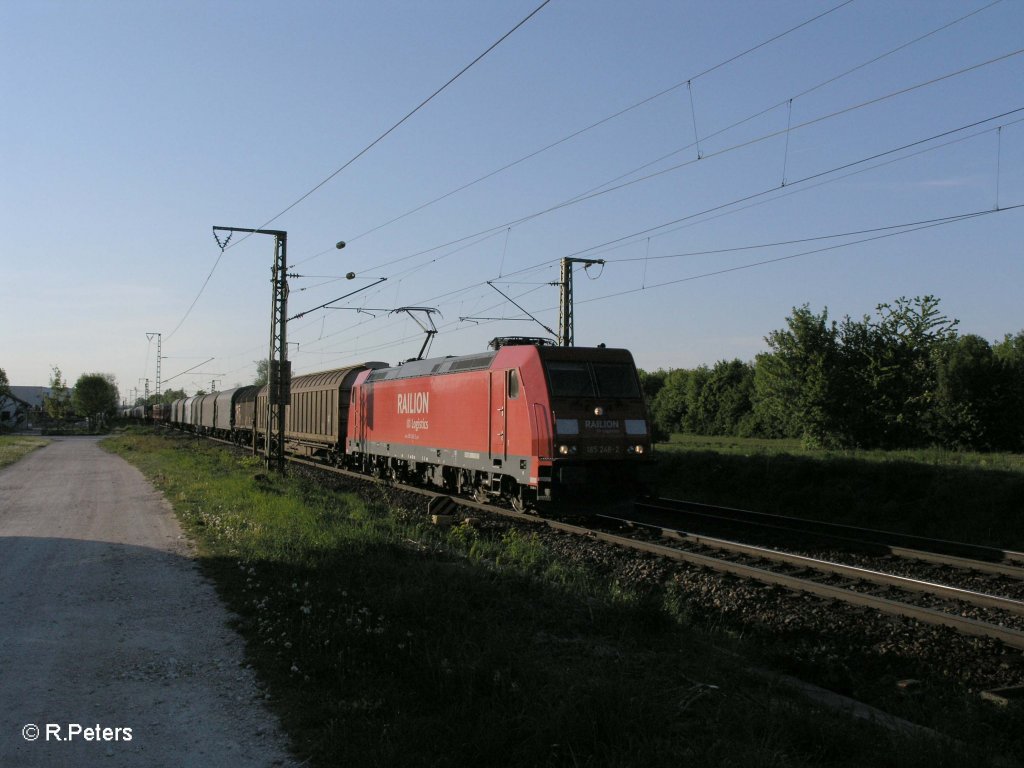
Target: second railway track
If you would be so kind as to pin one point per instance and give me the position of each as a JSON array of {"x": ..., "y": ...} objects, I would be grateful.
[
  {"x": 836, "y": 581},
  {"x": 969, "y": 612},
  {"x": 957, "y": 554}
]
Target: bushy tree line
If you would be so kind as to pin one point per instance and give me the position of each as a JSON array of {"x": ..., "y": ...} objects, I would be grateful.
[
  {"x": 94, "y": 397},
  {"x": 901, "y": 379},
  {"x": 166, "y": 397}
]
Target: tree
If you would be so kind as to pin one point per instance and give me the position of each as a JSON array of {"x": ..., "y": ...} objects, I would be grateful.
[
  {"x": 651, "y": 383},
  {"x": 910, "y": 338},
  {"x": 170, "y": 395},
  {"x": 261, "y": 372},
  {"x": 1010, "y": 354},
  {"x": 668, "y": 406},
  {"x": 5, "y": 391},
  {"x": 795, "y": 385},
  {"x": 96, "y": 396},
  {"x": 723, "y": 403},
  {"x": 1011, "y": 350},
  {"x": 57, "y": 404}
]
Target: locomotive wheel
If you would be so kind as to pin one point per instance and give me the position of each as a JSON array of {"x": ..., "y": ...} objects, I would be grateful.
[
  {"x": 480, "y": 495},
  {"x": 518, "y": 502}
]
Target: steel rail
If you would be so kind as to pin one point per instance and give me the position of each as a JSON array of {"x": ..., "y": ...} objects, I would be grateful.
[
  {"x": 964, "y": 625},
  {"x": 1002, "y": 562},
  {"x": 839, "y": 569}
]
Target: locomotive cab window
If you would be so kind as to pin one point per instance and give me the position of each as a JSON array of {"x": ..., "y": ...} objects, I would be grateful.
[
  {"x": 513, "y": 385},
  {"x": 570, "y": 379},
  {"x": 616, "y": 380}
]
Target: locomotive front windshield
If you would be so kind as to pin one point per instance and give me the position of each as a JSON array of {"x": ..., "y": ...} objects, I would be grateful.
[
  {"x": 615, "y": 380},
  {"x": 582, "y": 379}
]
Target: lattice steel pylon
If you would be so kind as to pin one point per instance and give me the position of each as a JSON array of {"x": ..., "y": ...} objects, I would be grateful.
[
  {"x": 278, "y": 367},
  {"x": 159, "y": 357},
  {"x": 566, "y": 336}
]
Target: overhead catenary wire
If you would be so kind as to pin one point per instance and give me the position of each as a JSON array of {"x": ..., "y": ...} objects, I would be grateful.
[
  {"x": 452, "y": 326},
  {"x": 602, "y": 121},
  {"x": 358, "y": 155},
  {"x": 666, "y": 91},
  {"x": 803, "y": 180},
  {"x": 887, "y": 230},
  {"x": 412, "y": 112},
  {"x": 507, "y": 229},
  {"x": 599, "y": 191},
  {"x": 780, "y": 193},
  {"x": 790, "y": 191},
  {"x": 764, "y": 262}
]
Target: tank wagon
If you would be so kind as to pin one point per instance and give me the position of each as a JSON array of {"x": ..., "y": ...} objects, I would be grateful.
[{"x": 526, "y": 422}]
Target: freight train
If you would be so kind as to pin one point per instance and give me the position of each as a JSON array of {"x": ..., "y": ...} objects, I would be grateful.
[{"x": 526, "y": 422}]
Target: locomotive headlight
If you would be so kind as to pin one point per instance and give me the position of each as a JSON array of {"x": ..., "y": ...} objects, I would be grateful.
[
  {"x": 565, "y": 450},
  {"x": 638, "y": 449},
  {"x": 599, "y": 411}
]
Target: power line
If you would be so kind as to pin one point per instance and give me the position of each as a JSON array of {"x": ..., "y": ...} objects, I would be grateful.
[
  {"x": 362, "y": 152},
  {"x": 764, "y": 262},
  {"x": 797, "y": 241},
  {"x": 551, "y": 263},
  {"x": 907, "y": 229},
  {"x": 800, "y": 181},
  {"x": 623, "y": 244},
  {"x": 773, "y": 189},
  {"x": 878, "y": 233},
  {"x": 590, "y": 127},
  {"x": 665, "y": 92},
  {"x": 598, "y": 191},
  {"x": 422, "y": 104}
]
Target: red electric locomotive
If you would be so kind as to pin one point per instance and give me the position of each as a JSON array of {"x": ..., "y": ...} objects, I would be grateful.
[{"x": 528, "y": 422}]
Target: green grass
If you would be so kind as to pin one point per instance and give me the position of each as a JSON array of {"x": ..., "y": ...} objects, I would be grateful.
[
  {"x": 968, "y": 497},
  {"x": 754, "y": 446},
  {"x": 387, "y": 641},
  {"x": 14, "y": 447}
]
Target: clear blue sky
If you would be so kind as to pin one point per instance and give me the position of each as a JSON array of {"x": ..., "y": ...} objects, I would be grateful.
[{"x": 130, "y": 128}]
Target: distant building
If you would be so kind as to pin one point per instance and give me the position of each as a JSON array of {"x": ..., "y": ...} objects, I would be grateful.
[{"x": 22, "y": 407}]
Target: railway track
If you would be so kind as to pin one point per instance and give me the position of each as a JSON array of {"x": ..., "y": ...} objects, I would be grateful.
[
  {"x": 973, "y": 557},
  {"x": 969, "y": 612},
  {"x": 929, "y": 602},
  {"x": 885, "y": 592}
]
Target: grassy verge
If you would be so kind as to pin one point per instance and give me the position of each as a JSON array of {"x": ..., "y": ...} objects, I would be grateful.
[
  {"x": 961, "y": 496},
  {"x": 13, "y": 447},
  {"x": 386, "y": 641},
  {"x": 755, "y": 446}
]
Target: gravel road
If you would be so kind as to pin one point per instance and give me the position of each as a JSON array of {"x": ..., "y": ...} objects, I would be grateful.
[{"x": 108, "y": 629}]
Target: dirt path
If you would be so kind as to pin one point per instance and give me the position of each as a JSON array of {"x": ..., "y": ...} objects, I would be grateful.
[{"x": 107, "y": 623}]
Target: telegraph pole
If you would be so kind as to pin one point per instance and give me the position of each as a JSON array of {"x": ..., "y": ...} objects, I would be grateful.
[
  {"x": 159, "y": 340},
  {"x": 278, "y": 368},
  {"x": 565, "y": 331}
]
